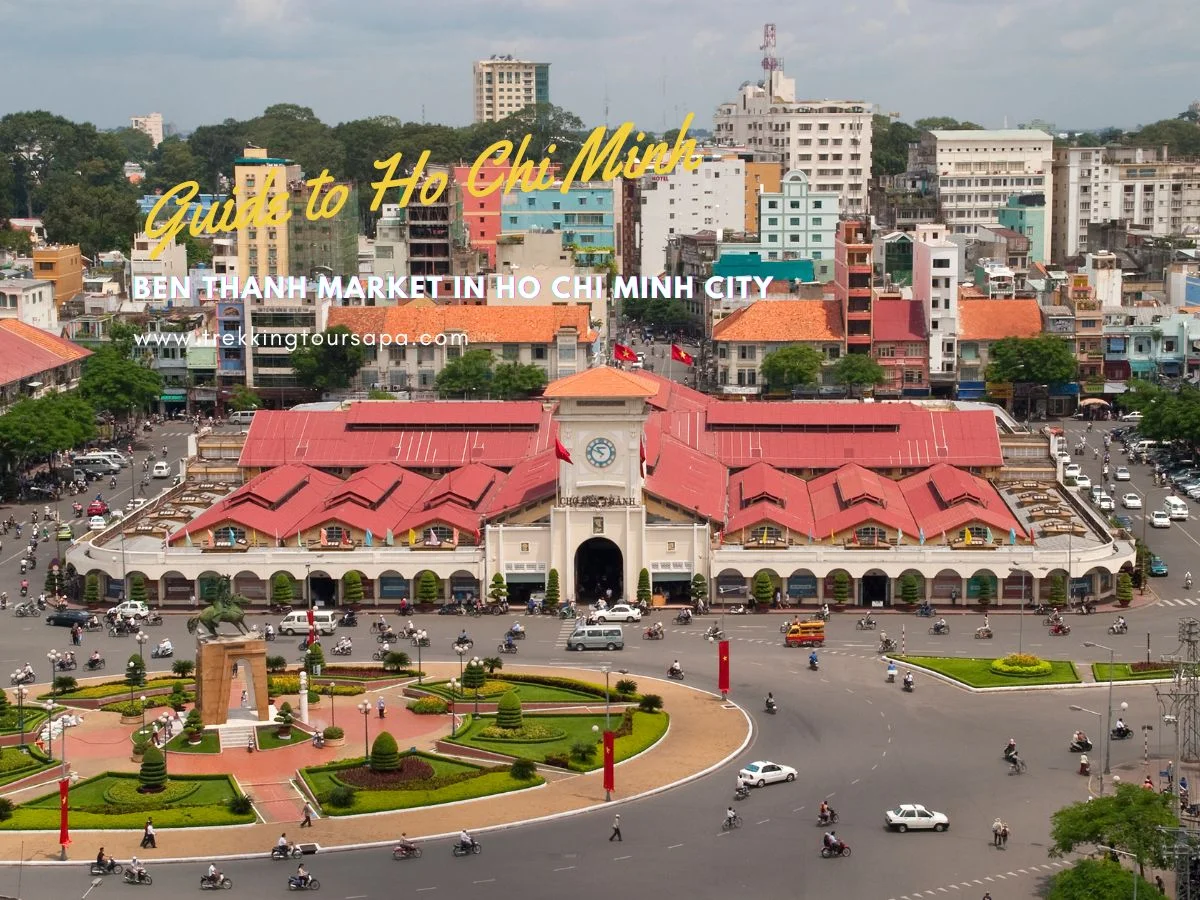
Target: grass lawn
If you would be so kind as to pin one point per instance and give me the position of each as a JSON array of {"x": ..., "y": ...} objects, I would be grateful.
[
  {"x": 269, "y": 740},
  {"x": 977, "y": 672},
  {"x": 528, "y": 693},
  {"x": 89, "y": 807},
  {"x": 1122, "y": 672},
  {"x": 648, "y": 729},
  {"x": 15, "y": 765},
  {"x": 209, "y": 743},
  {"x": 10, "y": 721},
  {"x": 322, "y": 779}
]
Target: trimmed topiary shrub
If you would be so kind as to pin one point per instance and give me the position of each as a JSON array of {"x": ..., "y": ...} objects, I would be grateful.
[
  {"x": 508, "y": 711},
  {"x": 333, "y": 733},
  {"x": 762, "y": 590},
  {"x": 553, "y": 591},
  {"x": 644, "y": 592},
  {"x": 499, "y": 589},
  {"x": 135, "y": 670},
  {"x": 313, "y": 658},
  {"x": 341, "y": 797},
  {"x": 1021, "y": 665},
  {"x": 429, "y": 706},
  {"x": 523, "y": 769},
  {"x": 281, "y": 589},
  {"x": 1124, "y": 589},
  {"x": 428, "y": 588},
  {"x": 650, "y": 703},
  {"x": 352, "y": 588},
  {"x": 385, "y": 755},
  {"x": 152, "y": 776},
  {"x": 91, "y": 591},
  {"x": 699, "y": 589},
  {"x": 626, "y": 687},
  {"x": 6, "y": 809},
  {"x": 910, "y": 589},
  {"x": 841, "y": 587}
]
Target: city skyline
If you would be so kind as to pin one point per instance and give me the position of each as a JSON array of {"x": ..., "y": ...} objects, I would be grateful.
[{"x": 947, "y": 56}]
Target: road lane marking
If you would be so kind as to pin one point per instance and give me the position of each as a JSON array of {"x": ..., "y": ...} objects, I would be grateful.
[
  {"x": 675, "y": 846},
  {"x": 481, "y": 881},
  {"x": 616, "y": 858},
  {"x": 762, "y": 821},
  {"x": 564, "y": 869}
]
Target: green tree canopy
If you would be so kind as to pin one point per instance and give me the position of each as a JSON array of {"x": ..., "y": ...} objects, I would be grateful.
[
  {"x": 1099, "y": 879},
  {"x": 659, "y": 312},
  {"x": 244, "y": 398},
  {"x": 468, "y": 376},
  {"x": 114, "y": 383},
  {"x": 516, "y": 381},
  {"x": 1168, "y": 415},
  {"x": 96, "y": 217},
  {"x": 889, "y": 146},
  {"x": 1130, "y": 819},
  {"x": 329, "y": 363},
  {"x": 791, "y": 366},
  {"x": 857, "y": 371},
  {"x": 38, "y": 427},
  {"x": 1045, "y": 359},
  {"x": 945, "y": 123}
]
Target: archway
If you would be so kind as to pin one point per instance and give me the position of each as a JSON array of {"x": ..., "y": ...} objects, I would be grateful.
[
  {"x": 251, "y": 586},
  {"x": 599, "y": 568},
  {"x": 177, "y": 590},
  {"x": 322, "y": 589},
  {"x": 875, "y": 589},
  {"x": 982, "y": 588},
  {"x": 801, "y": 586},
  {"x": 732, "y": 587}
]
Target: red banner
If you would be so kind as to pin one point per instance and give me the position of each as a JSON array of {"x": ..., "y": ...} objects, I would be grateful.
[
  {"x": 680, "y": 355},
  {"x": 609, "y": 779},
  {"x": 723, "y": 667},
  {"x": 621, "y": 353},
  {"x": 562, "y": 452},
  {"x": 64, "y": 788}
]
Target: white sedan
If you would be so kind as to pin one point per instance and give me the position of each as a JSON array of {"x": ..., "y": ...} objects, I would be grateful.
[
  {"x": 916, "y": 817},
  {"x": 1072, "y": 471},
  {"x": 1159, "y": 519},
  {"x": 622, "y": 612},
  {"x": 1083, "y": 482},
  {"x": 1122, "y": 474},
  {"x": 1132, "y": 417},
  {"x": 1131, "y": 501},
  {"x": 1104, "y": 503},
  {"x": 763, "y": 772}
]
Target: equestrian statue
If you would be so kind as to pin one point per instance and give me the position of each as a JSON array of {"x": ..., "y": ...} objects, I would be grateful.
[{"x": 226, "y": 606}]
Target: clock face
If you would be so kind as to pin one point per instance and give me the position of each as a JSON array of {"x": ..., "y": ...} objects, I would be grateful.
[{"x": 601, "y": 452}]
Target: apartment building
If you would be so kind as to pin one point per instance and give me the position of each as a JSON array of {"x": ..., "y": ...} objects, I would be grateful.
[
  {"x": 761, "y": 177},
  {"x": 1139, "y": 186},
  {"x": 900, "y": 344},
  {"x": 935, "y": 276},
  {"x": 975, "y": 172},
  {"x": 711, "y": 198},
  {"x": 151, "y": 126},
  {"x": 829, "y": 140},
  {"x": 1026, "y": 215},
  {"x": 62, "y": 265},
  {"x": 541, "y": 255},
  {"x": 481, "y": 215},
  {"x": 742, "y": 340},
  {"x": 505, "y": 85},
  {"x": 264, "y": 251},
  {"x": 1103, "y": 271},
  {"x": 1077, "y": 296},
  {"x": 326, "y": 247},
  {"x": 172, "y": 262},
  {"x": 29, "y": 301},
  {"x": 982, "y": 323},
  {"x": 584, "y": 217},
  {"x": 852, "y": 282}
]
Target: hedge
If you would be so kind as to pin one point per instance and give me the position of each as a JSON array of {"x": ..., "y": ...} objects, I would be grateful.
[
  {"x": 115, "y": 688},
  {"x": 570, "y": 684},
  {"x": 278, "y": 685},
  {"x": 1022, "y": 665},
  {"x": 123, "y": 795},
  {"x": 428, "y": 706}
]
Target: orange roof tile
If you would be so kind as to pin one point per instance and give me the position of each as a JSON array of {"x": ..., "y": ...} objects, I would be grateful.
[
  {"x": 26, "y": 351},
  {"x": 602, "y": 381},
  {"x": 481, "y": 324},
  {"x": 991, "y": 320},
  {"x": 783, "y": 321}
]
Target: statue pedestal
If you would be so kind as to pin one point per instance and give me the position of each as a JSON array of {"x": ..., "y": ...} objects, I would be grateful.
[{"x": 215, "y": 659}]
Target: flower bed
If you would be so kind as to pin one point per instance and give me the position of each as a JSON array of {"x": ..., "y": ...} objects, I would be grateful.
[
  {"x": 1138, "y": 671},
  {"x": 531, "y": 732},
  {"x": 278, "y": 685},
  {"x": 1022, "y": 665},
  {"x": 550, "y": 690},
  {"x": 122, "y": 795},
  {"x": 115, "y": 688},
  {"x": 363, "y": 673},
  {"x": 429, "y": 706},
  {"x": 15, "y": 765}
]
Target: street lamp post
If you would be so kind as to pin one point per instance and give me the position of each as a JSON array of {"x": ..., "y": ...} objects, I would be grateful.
[
  {"x": 332, "y": 708},
  {"x": 606, "y": 670},
  {"x": 475, "y": 662},
  {"x": 142, "y": 701},
  {"x": 460, "y": 650},
  {"x": 141, "y": 637},
  {"x": 1111, "y": 666},
  {"x": 21, "y": 693},
  {"x": 365, "y": 709},
  {"x": 54, "y": 657},
  {"x": 420, "y": 673},
  {"x": 453, "y": 718}
]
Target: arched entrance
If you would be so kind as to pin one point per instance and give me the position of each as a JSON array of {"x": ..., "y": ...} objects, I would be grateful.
[
  {"x": 599, "y": 567},
  {"x": 875, "y": 589}
]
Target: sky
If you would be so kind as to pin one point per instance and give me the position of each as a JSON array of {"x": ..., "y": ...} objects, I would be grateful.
[{"x": 1076, "y": 63}]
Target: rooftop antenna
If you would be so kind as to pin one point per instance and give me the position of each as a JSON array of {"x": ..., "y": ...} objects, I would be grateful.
[
  {"x": 770, "y": 61},
  {"x": 606, "y": 105}
]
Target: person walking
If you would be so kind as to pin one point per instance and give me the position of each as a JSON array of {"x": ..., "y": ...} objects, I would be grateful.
[
  {"x": 308, "y": 814},
  {"x": 381, "y": 707},
  {"x": 1003, "y": 835},
  {"x": 616, "y": 829},
  {"x": 996, "y": 828},
  {"x": 148, "y": 839}
]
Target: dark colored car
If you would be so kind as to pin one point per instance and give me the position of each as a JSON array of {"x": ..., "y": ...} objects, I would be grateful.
[{"x": 68, "y": 617}]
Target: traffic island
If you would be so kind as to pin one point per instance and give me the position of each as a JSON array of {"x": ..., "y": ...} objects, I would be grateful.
[
  {"x": 1139, "y": 671},
  {"x": 991, "y": 672}
]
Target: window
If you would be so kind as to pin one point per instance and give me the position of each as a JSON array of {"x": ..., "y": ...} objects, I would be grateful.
[
  {"x": 941, "y": 263},
  {"x": 333, "y": 534},
  {"x": 766, "y": 534},
  {"x": 396, "y": 354},
  {"x": 885, "y": 352},
  {"x": 746, "y": 352},
  {"x": 512, "y": 220},
  {"x": 772, "y": 221},
  {"x": 556, "y": 205},
  {"x": 817, "y": 204},
  {"x": 539, "y": 352},
  {"x": 914, "y": 349},
  {"x": 871, "y": 534},
  {"x": 816, "y": 223},
  {"x": 913, "y": 376},
  {"x": 979, "y": 534},
  {"x": 510, "y": 352}
]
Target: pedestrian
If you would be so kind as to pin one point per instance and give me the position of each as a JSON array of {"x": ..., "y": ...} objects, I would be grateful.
[
  {"x": 996, "y": 827},
  {"x": 1003, "y": 835},
  {"x": 192, "y": 601},
  {"x": 1158, "y": 883},
  {"x": 616, "y": 832},
  {"x": 308, "y": 814},
  {"x": 148, "y": 836},
  {"x": 244, "y": 696},
  {"x": 380, "y": 707},
  {"x": 987, "y": 895}
]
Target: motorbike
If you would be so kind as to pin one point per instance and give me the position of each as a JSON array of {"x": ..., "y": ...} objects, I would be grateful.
[
  {"x": 289, "y": 852},
  {"x": 887, "y": 646},
  {"x": 926, "y": 612},
  {"x": 379, "y": 654},
  {"x": 771, "y": 707},
  {"x": 741, "y": 792},
  {"x": 506, "y": 648},
  {"x": 318, "y": 741},
  {"x": 269, "y": 635},
  {"x": 682, "y": 619},
  {"x": 516, "y": 635},
  {"x": 567, "y": 612},
  {"x": 1120, "y": 734},
  {"x": 132, "y": 877},
  {"x": 25, "y": 609},
  {"x": 24, "y": 591},
  {"x": 295, "y": 884},
  {"x": 420, "y": 642},
  {"x": 738, "y": 610},
  {"x": 1116, "y": 628},
  {"x": 1060, "y": 629},
  {"x": 95, "y": 664},
  {"x": 280, "y": 609},
  {"x": 466, "y": 850},
  {"x": 939, "y": 629},
  {"x": 153, "y": 619},
  {"x": 349, "y": 620},
  {"x": 813, "y": 665},
  {"x": 715, "y": 633},
  {"x": 341, "y": 650},
  {"x": 468, "y": 643},
  {"x": 157, "y": 653},
  {"x": 983, "y": 633},
  {"x": 841, "y": 848},
  {"x": 115, "y": 869},
  {"x": 66, "y": 665},
  {"x": 400, "y": 851},
  {"x": 866, "y": 624},
  {"x": 677, "y": 674},
  {"x": 1052, "y": 619},
  {"x": 1080, "y": 747},
  {"x": 1009, "y": 753},
  {"x": 386, "y": 637},
  {"x": 220, "y": 883},
  {"x": 653, "y": 634},
  {"x": 823, "y": 615},
  {"x": 829, "y": 819},
  {"x": 1086, "y": 609},
  {"x": 908, "y": 686}
]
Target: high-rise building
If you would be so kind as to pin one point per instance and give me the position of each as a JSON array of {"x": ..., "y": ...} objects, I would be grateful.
[
  {"x": 505, "y": 85},
  {"x": 151, "y": 126},
  {"x": 264, "y": 251},
  {"x": 325, "y": 246},
  {"x": 852, "y": 282},
  {"x": 935, "y": 285}
]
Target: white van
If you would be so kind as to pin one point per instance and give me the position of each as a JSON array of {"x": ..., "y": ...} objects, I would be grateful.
[
  {"x": 596, "y": 637},
  {"x": 242, "y": 417},
  {"x": 296, "y": 622},
  {"x": 113, "y": 456},
  {"x": 96, "y": 464},
  {"x": 1176, "y": 509}
]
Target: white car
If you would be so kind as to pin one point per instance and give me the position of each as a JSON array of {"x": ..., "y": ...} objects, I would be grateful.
[
  {"x": 1105, "y": 503},
  {"x": 1064, "y": 456},
  {"x": 1159, "y": 519},
  {"x": 161, "y": 470},
  {"x": 622, "y": 612},
  {"x": 97, "y": 523},
  {"x": 1132, "y": 417},
  {"x": 1083, "y": 482},
  {"x": 1072, "y": 471},
  {"x": 1131, "y": 501},
  {"x": 134, "y": 608},
  {"x": 916, "y": 817},
  {"x": 762, "y": 772},
  {"x": 1122, "y": 474}
]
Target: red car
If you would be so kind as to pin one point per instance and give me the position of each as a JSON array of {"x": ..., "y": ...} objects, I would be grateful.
[{"x": 97, "y": 508}]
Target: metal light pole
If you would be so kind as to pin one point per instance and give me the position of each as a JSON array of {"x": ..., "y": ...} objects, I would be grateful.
[
  {"x": 332, "y": 708},
  {"x": 21, "y": 693},
  {"x": 365, "y": 709},
  {"x": 54, "y": 657},
  {"x": 606, "y": 670},
  {"x": 141, "y": 637},
  {"x": 142, "y": 700},
  {"x": 453, "y": 717},
  {"x": 460, "y": 650},
  {"x": 1111, "y": 667},
  {"x": 1021, "y": 613},
  {"x": 420, "y": 673},
  {"x": 1100, "y": 723},
  {"x": 475, "y": 662}
]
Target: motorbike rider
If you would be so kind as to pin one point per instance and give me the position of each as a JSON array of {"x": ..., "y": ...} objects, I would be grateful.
[
  {"x": 283, "y": 844},
  {"x": 302, "y": 876},
  {"x": 137, "y": 869},
  {"x": 823, "y": 813},
  {"x": 165, "y": 647},
  {"x": 812, "y": 659},
  {"x": 908, "y": 680},
  {"x": 68, "y": 661},
  {"x": 1080, "y": 739},
  {"x": 94, "y": 658},
  {"x": 1010, "y": 750},
  {"x": 517, "y": 628},
  {"x": 269, "y": 631},
  {"x": 1120, "y": 728},
  {"x": 462, "y": 638},
  {"x": 675, "y": 669},
  {"x": 884, "y": 641},
  {"x": 1187, "y": 580},
  {"x": 1121, "y": 624},
  {"x": 105, "y": 863},
  {"x": 27, "y": 672},
  {"x": 770, "y": 702},
  {"x": 687, "y": 615},
  {"x": 405, "y": 844},
  {"x": 832, "y": 841},
  {"x": 211, "y": 875},
  {"x": 465, "y": 841},
  {"x": 891, "y": 671},
  {"x": 509, "y": 643},
  {"x": 824, "y": 610},
  {"x": 939, "y": 626}
]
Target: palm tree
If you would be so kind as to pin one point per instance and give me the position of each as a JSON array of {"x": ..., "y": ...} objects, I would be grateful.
[{"x": 492, "y": 663}]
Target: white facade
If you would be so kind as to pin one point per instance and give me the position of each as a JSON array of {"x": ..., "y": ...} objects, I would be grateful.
[
  {"x": 171, "y": 262},
  {"x": 1136, "y": 185},
  {"x": 935, "y": 284},
  {"x": 503, "y": 86},
  {"x": 30, "y": 301},
  {"x": 1104, "y": 277},
  {"x": 975, "y": 172},
  {"x": 151, "y": 126},
  {"x": 829, "y": 140},
  {"x": 711, "y": 198},
  {"x": 798, "y": 222}
]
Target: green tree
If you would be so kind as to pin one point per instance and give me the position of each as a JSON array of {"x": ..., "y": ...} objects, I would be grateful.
[
  {"x": 552, "y": 131},
  {"x": 1058, "y": 591},
  {"x": 91, "y": 591},
  {"x": 216, "y": 147},
  {"x": 498, "y": 591},
  {"x": 644, "y": 591},
  {"x": 792, "y": 366},
  {"x": 152, "y": 776},
  {"x": 516, "y": 381},
  {"x": 468, "y": 376},
  {"x": 137, "y": 144},
  {"x": 17, "y": 240},
  {"x": 385, "y": 755},
  {"x": 352, "y": 588},
  {"x": 284, "y": 717},
  {"x": 3, "y": 703},
  {"x": 508, "y": 711},
  {"x": 96, "y": 218},
  {"x": 945, "y": 123},
  {"x": 473, "y": 676},
  {"x": 137, "y": 588},
  {"x": 1181, "y": 138},
  {"x": 314, "y": 659},
  {"x": 328, "y": 361},
  {"x": 889, "y": 146},
  {"x": 841, "y": 587},
  {"x": 135, "y": 670},
  {"x": 1124, "y": 589},
  {"x": 762, "y": 589},
  {"x": 699, "y": 589},
  {"x": 174, "y": 162},
  {"x": 1045, "y": 359},
  {"x": 1131, "y": 819},
  {"x": 985, "y": 595},
  {"x": 1099, "y": 879},
  {"x": 365, "y": 141},
  {"x": 857, "y": 371},
  {"x": 183, "y": 667},
  {"x": 294, "y": 132},
  {"x": 553, "y": 591},
  {"x": 282, "y": 589},
  {"x": 244, "y": 398},
  {"x": 116, "y": 384},
  {"x": 35, "y": 428},
  {"x": 429, "y": 590},
  {"x": 910, "y": 589}
]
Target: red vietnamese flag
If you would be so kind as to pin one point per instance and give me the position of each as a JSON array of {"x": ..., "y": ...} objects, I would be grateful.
[
  {"x": 642, "y": 453},
  {"x": 723, "y": 667},
  {"x": 680, "y": 355},
  {"x": 609, "y": 761},
  {"x": 621, "y": 353},
  {"x": 64, "y": 787},
  {"x": 562, "y": 452}
]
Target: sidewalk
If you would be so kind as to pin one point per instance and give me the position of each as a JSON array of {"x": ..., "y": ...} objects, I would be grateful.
[{"x": 704, "y": 731}]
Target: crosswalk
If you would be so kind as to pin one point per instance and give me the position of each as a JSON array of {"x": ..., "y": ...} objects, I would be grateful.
[{"x": 1178, "y": 601}]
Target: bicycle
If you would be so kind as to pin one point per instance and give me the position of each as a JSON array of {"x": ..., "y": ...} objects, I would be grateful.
[
  {"x": 731, "y": 823},
  {"x": 1017, "y": 766}
]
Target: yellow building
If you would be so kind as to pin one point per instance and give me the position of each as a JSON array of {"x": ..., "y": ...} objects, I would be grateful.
[
  {"x": 263, "y": 252},
  {"x": 61, "y": 264},
  {"x": 761, "y": 177}
]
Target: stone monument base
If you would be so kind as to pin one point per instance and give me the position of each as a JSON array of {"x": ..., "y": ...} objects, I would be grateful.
[{"x": 215, "y": 659}]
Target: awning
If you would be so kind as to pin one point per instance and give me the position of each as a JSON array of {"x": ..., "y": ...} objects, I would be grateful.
[
  {"x": 1142, "y": 366},
  {"x": 971, "y": 393},
  {"x": 1115, "y": 387},
  {"x": 671, "y": 576},
  {"x": 1064, "y": 389}
]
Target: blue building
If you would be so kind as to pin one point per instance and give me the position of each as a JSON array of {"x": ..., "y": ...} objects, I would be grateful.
[
  {"x": 584, "y": 216},
  {"x": 781, "y": 270},
  {"x": 204, "y": 201}
]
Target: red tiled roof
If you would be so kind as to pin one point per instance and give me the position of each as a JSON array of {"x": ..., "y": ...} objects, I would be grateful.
[
  {"x": 481, "y": 324},
  {"x": 602, "y": 381},
  {"x": 979, "y": 502},
  {"x": 853, "y": 496},
  {"x": 782, "y": 321},
  {"x": 991, "y": 320},
  {"x": 274, "y": 503},
  {"x": 383, "y": 413},
  {"x": 761, "y": 493},
  {"x": 529, "y": 481},
  {"x": 451, "y": 514},
  {"x": 26, "y": 351},
  {"x": 798, "y": 519},
  {"x": 898, "y": 320},
  {"x": 467, "y": 485},
  {"x": 687, "y": 479}
]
